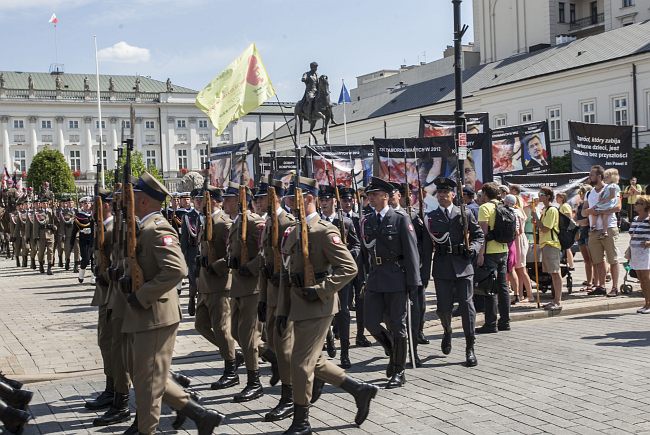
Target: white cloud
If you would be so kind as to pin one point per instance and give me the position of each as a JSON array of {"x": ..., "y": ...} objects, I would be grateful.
[
  {"x": 124, "y": 53},
  {"x": 47, "y": 5}
]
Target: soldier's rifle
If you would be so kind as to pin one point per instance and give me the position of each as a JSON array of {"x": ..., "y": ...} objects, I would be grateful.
[
  {"x": 116, "y": 204},
  {"x": 207, "y": 200},
  {"x": 409, "y": 311},
  {"x": 309, "y": 278},
  {"x": 134, "y": 270},
  {"x": 339, "y": 210},
  {"x": 275, "y": 225},
  {"x": 102, "y": 261}
]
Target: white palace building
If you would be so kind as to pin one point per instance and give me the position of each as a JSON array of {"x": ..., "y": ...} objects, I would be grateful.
[{"x": 59, "y": 111}]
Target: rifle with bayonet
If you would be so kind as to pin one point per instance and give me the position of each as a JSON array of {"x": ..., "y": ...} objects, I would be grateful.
[
  {"x": 207, "y": 200},
  {"x": 135, "y": 275},
  {"x": 117, "y": 236},
  {"x": 275, "y": 224},
  {"x": 102, "y": 261},
  {"x": 339, "y": 210},
  {"x": 309, "y": 278}
]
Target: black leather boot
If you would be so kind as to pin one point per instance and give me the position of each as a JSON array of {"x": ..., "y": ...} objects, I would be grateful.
[
  {"x": 180, "y": 379},
  {"x": 345, "y": 358},
  {"x": 421, "y": 338},
  {"x": 17, "y": 385},
  {"x": 253, "y": 388},
  {"x": 363, "y": 393},
  {"x": 329, "y": 343},
  {"x": 316, "y": 389},
  {"x": 105, "y": 399},
  {"x": 118, "y": 412},
  {"x": 25, "y": 261},
  {"x": 206, "y": 419},
  {"x": 362, "y": 341},
  {"x": 269, "y": 356},
  {"x": 18, "y": 399},
  {"x": 300, "y": 424},
  {"x": 13, "y": 419},
  {"x": 49, "y": 269},
  {"x": 67, "y": 264},
  {"x": 470, "y": 358},
  {"x": 398, "y": 378},
  {"x": 133, "y": 429},
  {"x": 41, "y": 268},
  {"x": 60, "y": 262},
  {"x": 284, "y": 408},
  {"x": 445, "y": 320},
  {"x": 230, "y": 378}
]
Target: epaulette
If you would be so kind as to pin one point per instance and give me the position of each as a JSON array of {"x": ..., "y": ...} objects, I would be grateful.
[
  {"x": 159, "y": 221},
  {"x": 400, "y": 212}
]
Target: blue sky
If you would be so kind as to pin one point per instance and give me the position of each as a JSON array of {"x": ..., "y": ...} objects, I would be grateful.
[{"x": 190, "y": 41}]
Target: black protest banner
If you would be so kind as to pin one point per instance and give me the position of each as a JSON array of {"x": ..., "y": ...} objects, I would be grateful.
[
  {"x": 609, "y": 146},
  {"x": 345, "y": 158},
  {"x": 568, "y": 183},
  {"x": 283, "y": 164},
  {"x": 445, "y": 125},
  {"x": 237, "y": 162},
  {"x": 521, "y": 149}
]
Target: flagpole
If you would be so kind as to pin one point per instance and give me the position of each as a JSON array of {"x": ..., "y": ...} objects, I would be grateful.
[
  {"x": 99, "y": 114},
  {"x": 345, "y": 122}
]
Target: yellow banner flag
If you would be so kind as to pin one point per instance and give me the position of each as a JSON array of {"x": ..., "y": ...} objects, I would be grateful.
[{"x": 242, "y": 87}]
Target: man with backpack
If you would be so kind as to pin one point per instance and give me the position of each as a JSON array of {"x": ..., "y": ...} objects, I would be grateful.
[
  {"x": 498, "y": 223},
  {"x": 549, "y": 229}
]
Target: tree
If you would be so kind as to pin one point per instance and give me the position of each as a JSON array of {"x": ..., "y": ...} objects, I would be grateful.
[
  {"x": 561, "y": 164},
  {"x": 137, "y": 168},
  {"x": 50, "y": 165}
]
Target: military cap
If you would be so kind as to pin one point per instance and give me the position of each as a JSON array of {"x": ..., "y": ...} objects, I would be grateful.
[
  {"x": 326, "y": 192},
  {"x": 346, "y": 192},
  {"x": 279, "y": 187},
  {"x": 232, "y": 189},
  {"x": 308, "y": 185},
  {"x": 215, "y": 193},
  {"x": 151, "y": 187},
  {"x": 85, "y": 199},
  {"x": 444, "y": 183},
  {"x": 377, "y": 184},
  {"x": 185, "y": 195},
  {"x": 196, "y": 192},
  {"x": 469, "y": 190},
  {"x": 262, "y": 190},
  {"x": 105, "y": 194},
  {"x": 173, "y": 195}
]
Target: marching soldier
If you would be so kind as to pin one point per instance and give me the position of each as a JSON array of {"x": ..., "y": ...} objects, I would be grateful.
[
  {"x": 453, "y": 271},
  {"x": 21, "y": 247},
  {"x": 71, "y": 243},
  {"x": 15, "y": 231},
  {"x": 100, "y": 300},
  {"x": 312, "y": 308},
  {"x": 213, "y": 315},
  {"x": 244, "y": 290},
  {"x": 83, "y": 229},
  {"x": 45, "y": 229},
  {"x": 31, "y": 233},
  {"x": 190, "y": 238},
  {"x": 389, "y": 237},
  {"x": 153, "y": 314},
  {"x": 59, "y": 242},
  {"x": 282, "y": 344},
  {"x": 327, "y": 198}
]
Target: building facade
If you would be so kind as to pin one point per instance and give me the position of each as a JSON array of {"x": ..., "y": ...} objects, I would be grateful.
[{"x": 59, "y": 111}]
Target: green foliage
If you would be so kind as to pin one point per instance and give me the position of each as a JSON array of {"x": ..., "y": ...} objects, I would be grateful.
[
  {"x": 50, "y": 165},
  {"x": 137, "y": 168},
  {"x": 641, "y": 165},
  {"x": 561, "y": 164}
]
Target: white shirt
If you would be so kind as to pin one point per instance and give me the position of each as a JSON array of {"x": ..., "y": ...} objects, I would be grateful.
[
  {"x": 596, "y": 221},
  {"x": 383, "y": 211},
  {"x": 332, "y": 217},
  {"x": 108, "y": 219},
  {"x": 312, "y": 216},
  {"x": 448, "y": 210}
]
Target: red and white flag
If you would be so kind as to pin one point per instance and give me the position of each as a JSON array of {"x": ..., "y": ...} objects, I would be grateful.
[{"x": 54, "y": 20}]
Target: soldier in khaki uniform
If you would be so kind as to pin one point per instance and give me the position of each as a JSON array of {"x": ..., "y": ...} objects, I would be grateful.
[
  {"x": 46, "y": 228},
  {"x": 312, "y": 308},
  {"x": 59, "y": 241},
  {"x": 24, "y": 221},
  {"x": 30, "y": 234},
  {"x": 213, "y": 317},
  {"x": 153, "y": 314},
  {"x": 71, "y": 244},
  {"x": 282, "y": 344},
  {"x": 244, "y": 293},
  {"x": 19, "y": 232}
]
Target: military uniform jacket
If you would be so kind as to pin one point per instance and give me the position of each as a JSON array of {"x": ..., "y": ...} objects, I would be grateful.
[
  {"x": 19, "y": 228},
  {"x": 351, "y": 237},
  {"x": 161, "y": 259},
  {"x": 84, "y": 226},
  {"x": 116, "y": 299},
  {"x": 101, "y": 295},
  {"x": 393, "y": 252},
  {"x": 60, "y": 225},
  {"x": 245, "y": 285},
  {"x": 216, "y": 278},
  {"x": 333, "y": 266},
  {"x": 269, "y": 291},
  {"x": 450, "y": 266},
  {"x": 30, "y": 227},
  {"x": 45, "y": 224},
  {"x": 425, "y": 246},
  {"x": 190, "y": 232},
  {"x": 68, "y": 216}
]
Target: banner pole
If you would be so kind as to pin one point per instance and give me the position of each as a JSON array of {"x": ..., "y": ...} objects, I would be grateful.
[
  {"x": 345, "y": 121},
  {"x": 535, "y": 254}
]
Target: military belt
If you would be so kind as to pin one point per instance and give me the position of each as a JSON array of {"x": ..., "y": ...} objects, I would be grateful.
[
  {"x": 296, "y": 279},
  {"x": 378, "y": 261}
]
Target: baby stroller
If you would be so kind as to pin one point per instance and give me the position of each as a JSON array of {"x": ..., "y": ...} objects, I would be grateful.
[
  {"x": 626, "y": 288},
  {"x": 545, "y": 281}
]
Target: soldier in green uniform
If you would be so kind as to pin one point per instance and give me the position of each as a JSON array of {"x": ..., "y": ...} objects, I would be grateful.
[
  {"x": 46, "y": 228},
  {"x": 153, "y": 314},
  {"x": 312, "y": 308}
]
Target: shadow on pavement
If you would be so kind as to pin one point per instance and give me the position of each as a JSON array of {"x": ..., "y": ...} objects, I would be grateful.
[
  {"x": 81, "y": 290},
  {"x": 601, "y": 316},
  {"x": 633, "y": 339}
]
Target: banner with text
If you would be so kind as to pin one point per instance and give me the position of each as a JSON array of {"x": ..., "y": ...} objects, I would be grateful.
[
  {"x": 445, "y": 125},
  {"x": 609, "y": 146},
  {"x": 568, "y": 183},
  {"x": 345, "y": 158},
  {"x": 235, "y": 162},
  {"x": 521, "y": 149}
]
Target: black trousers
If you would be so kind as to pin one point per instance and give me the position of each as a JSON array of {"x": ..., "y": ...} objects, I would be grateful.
[
  {"x": 461, "y": 290},
  {"x": 385, "y": 307},
  {"x": 502, "y": 298},
  {"x": 86, "y": 251},
  {"x": 342, "y": 318}
]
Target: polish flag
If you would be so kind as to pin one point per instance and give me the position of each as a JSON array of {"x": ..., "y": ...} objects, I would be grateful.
[{"x": 54, "y": 20}]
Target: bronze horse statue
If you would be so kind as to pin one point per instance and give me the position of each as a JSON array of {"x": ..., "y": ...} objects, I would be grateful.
[{"x": 322, "y": 110}]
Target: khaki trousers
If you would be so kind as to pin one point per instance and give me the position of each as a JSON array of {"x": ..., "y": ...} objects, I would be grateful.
[
  {"x": 72, "y": 248},
  {"x": 121, "y": 380},
  {"x": 281, "y": 345},
  {"x": 104, "y": 338},
  {"x": 245, "y": 329},
  {"x": 149, "y": 358},
  {"x": 213, "y": 322},
  {"x": 33, "y": 244},
  {"x": 307, "y": 359},
  {"x": 46, "y": 246}
]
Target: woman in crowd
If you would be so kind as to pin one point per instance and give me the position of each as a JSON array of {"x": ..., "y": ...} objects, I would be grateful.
[
  {"x": 583, "y": 237},
  {"x": 638, "y": 254},
  {"x": 566, "y": 210},
  {"x": 519, "y": 279}
]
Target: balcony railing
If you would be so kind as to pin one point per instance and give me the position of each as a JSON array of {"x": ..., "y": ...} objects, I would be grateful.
[{"x": 587, "y": 21}]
